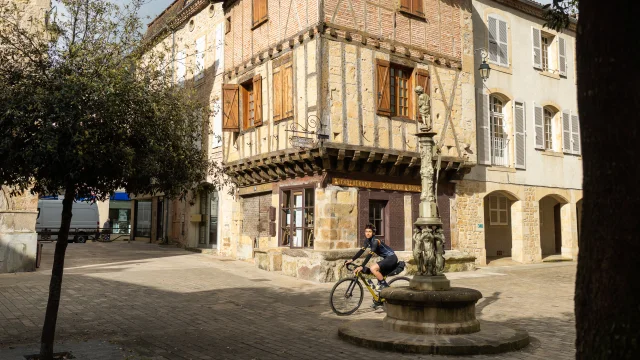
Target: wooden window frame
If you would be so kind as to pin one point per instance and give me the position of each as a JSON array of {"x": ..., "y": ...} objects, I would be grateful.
[
  {"x": 547, "y": 131},
  {"x": 412, "y": 7},
  {"x": 304, "y": 208},
  {"x": 247, "y": 97},
  {"x": 258, "y": 19},
  {"x": 382, "y": 230},
  {"x": 394, "y": 91}
]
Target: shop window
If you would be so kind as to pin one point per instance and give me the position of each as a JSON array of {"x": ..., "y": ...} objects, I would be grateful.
[
  {"x": 377, "y": 217},
  {"x": 297, "y": 217},
  {"x": 143, "y": 218}
]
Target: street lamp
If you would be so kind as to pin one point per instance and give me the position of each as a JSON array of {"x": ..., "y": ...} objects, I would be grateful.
[{"x": 484, "y": 68}]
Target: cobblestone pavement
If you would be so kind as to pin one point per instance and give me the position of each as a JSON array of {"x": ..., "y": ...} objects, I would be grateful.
[{"x": 143, "y": 301}]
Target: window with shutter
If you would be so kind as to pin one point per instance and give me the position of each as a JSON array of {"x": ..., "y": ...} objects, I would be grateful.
[
  {"x": 538, "y": 118},
  {"x": 503, "y": 46},
  {"x": 520, "y": 127},
  {"x": 383, "y": 103},
  {"x": 413, "y": 7},
  {"x": 483, "y": 132},
  {"x": 181, "y": 68},
  {"x": 421, "y": 78},
  {"x": 575, "y": 134},
  {"x": 566, "y": 131},
  {"x": 248, "y": 105},
  {"x": 199, "y": 58},
  {"x": 537, "y": 48},
  {"x": 260, "y": 13},
  {"x": 562, "y": 56},
  {"x": 549, "y": 116},
  {"x": 498, "y": 41},
  {"x": 493, "y": 39},
  {"x": 283, "y": 88},
  {"x": 230, "y": 108}
]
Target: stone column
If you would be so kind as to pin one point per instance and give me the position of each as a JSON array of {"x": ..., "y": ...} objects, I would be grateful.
[{"x": 569, "y": 226}]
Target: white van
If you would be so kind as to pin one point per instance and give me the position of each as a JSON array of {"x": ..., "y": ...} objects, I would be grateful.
[{"x": 85, "y": 221}]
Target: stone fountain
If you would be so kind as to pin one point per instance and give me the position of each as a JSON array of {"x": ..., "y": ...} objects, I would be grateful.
[{"x": 430, "y": 316}]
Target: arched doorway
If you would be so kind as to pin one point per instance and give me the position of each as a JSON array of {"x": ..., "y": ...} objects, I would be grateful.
[
  {"x": 498, "y": 225},
  {"x": 550, "y": 220}
]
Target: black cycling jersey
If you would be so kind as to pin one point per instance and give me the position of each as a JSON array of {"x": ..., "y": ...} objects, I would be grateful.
[{"x": 377, "y": 247}]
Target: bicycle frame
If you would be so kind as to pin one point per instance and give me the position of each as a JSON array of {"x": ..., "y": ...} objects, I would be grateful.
[{"x": 360, "y": 276}]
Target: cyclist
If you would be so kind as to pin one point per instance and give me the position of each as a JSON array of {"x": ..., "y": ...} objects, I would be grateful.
[{"x": 389, "y": 259}]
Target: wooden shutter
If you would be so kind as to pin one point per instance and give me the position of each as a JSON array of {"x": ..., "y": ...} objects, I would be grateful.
[
  {"x": 562, "y": 56},
  {"x": 417, "y": 7},
  {"x": 383, "y": 103},
  {"x": 483, "y": 131},
  {"x": 575, "y": 134},
  {"x": 520, "y": 135},
  {"x": 259, "y": 11},
  {"x": 493, "y": 39},
  {"x": 538, "y": 117},
  {"x": 230, "y": 101},
  {"x": 537, "y": 48},
  {"x": 277, "y": 94},
  {"x": 405, "y": 5},
  {"x": 503, "y": 43},
  {"x": 287, "y": 84},
  {"x": 257, "y": 100},
  {"x": 566, "y": 131}
]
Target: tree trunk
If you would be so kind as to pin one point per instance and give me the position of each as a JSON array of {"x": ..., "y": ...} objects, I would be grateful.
[
  {"x": 607, "y": 306},
  {"x": 55, "y": 286}
]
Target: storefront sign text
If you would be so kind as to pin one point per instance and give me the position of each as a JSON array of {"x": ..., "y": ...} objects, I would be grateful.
[{"x": 376, "y": 185}]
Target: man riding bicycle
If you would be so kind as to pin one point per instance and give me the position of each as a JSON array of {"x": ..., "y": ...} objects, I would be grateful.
[{"x": 389, "y": 260}]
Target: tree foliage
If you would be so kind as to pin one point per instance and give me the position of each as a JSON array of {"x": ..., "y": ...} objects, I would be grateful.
[
  {"x": 94, "y": 109},
  {"x": 559, "y": 13}
]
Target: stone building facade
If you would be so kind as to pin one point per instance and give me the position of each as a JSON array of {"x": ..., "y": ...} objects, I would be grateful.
[
  {"x": 18, "y": 214},
  {"x": 319, "y": 117},
  {"x": 523, "y": 199},
  {"x": 191, "y": 34}
]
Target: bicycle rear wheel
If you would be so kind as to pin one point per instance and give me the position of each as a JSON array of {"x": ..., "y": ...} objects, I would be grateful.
[
  {"x": 400, "y": 281},
  {"x": 346, "y": 296}
]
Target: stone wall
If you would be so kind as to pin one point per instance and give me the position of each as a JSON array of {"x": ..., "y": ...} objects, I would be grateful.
[
  {"x": 336, "y": 218},
  {"x": 18, "y": 238},
  {"x": 468, "y": 220}
]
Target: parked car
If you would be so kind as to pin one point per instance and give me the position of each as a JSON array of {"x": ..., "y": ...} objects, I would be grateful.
[{"x": 84, "y": 223}]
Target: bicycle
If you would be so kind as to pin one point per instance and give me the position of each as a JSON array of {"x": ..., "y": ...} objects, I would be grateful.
[{"x": 349, "y": 290}]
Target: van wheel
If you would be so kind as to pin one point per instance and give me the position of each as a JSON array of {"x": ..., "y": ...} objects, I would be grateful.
[{"x": 82, "y": 238}]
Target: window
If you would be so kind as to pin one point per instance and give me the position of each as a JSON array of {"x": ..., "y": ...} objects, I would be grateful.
[
  {"x": 498, "y": 41},
  {"x": 377, "y": 216},
  {"x": 498, "y": 210},
  {"x": 227, "y": 25},
  {"x": 548, "y": 129},
  {"x": 545, "y": 52},
  {"x": 181, "y": 69},
  {"x": 394, "y": 89},
  {"x": 413, "y": 7},
  {"x": 297, "y": 217},
  {"x": 260, "y": 13},
  {"x": 400, "y": 91},
  {"x": 143, "y": 218},
  {"x": 251, "y": 92},
  {"x": 199, "y": 59},
  {"x": 499, "y": 139},
  {"x": 283, "y": 88}
]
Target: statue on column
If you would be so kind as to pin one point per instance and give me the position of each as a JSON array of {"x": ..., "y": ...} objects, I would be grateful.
[
  {"x": 424, "y": 108},
  {"x": 429, "y": 251},
  {"x": 439, "y": 244}
]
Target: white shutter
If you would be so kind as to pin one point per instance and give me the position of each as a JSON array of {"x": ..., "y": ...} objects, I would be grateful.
[
  {"x": 199, "y": 68},
  {"x": 562, "y": 56},
  {"x": 566, "y": 131},
  {"x": 217, "y": 124},
  {"x": 219, "y": 45},
  {"x": 483, "y": 133},
  {"x": 520, "y": 135},
  {"x": 181, "y": 69},
  {"x": 537, "y": 48},
  {"x": 503, "y": 47},
  {"x": 575, "y": 134},
  {"x": 538, "y": 117},
  {"x": 493, "y": 39}
]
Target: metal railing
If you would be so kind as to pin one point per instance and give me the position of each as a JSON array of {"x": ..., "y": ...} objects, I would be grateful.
[{"x": 499, "y": 151}]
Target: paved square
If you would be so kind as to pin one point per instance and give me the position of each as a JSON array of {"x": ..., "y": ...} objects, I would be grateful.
[{"x": 143, "y": 301}]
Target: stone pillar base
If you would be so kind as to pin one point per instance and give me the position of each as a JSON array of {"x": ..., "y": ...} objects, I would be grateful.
[{"x": 431, "y": 283}]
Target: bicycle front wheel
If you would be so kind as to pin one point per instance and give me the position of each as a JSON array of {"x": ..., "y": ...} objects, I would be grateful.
[
  {"x": 346, "y": 296},
  {"x": 401, "y": 281}
]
